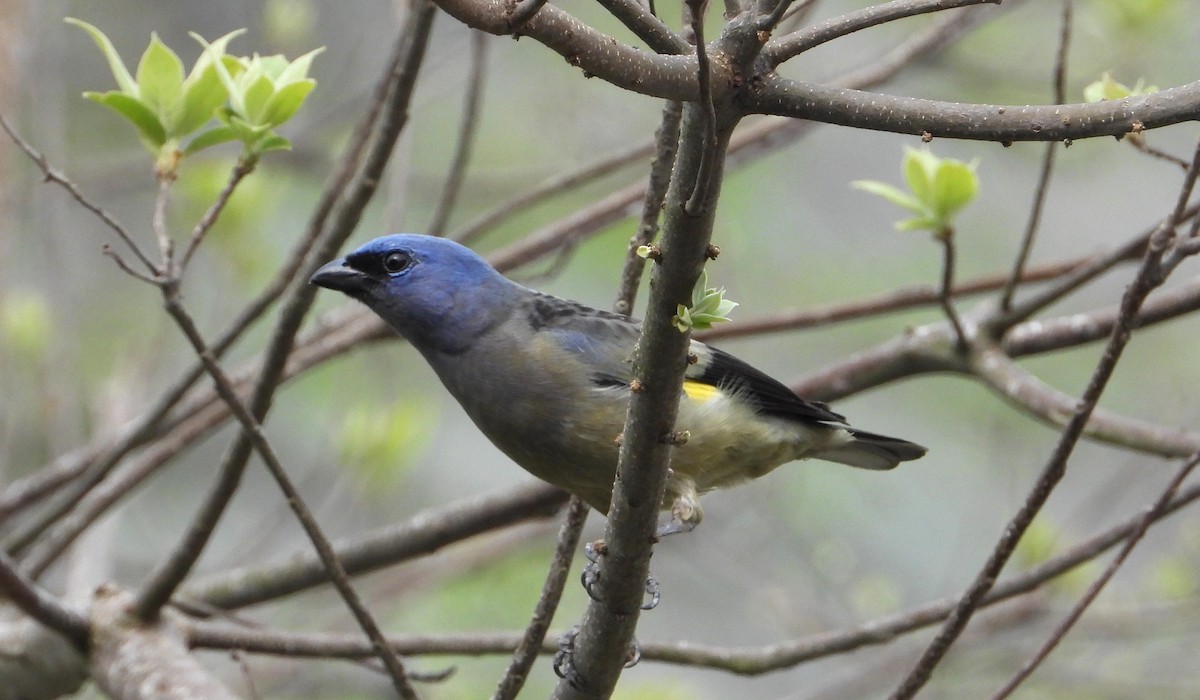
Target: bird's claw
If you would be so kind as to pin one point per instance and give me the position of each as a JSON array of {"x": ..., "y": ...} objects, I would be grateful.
[
  {"x": 590, "y": 576},
  {"x": 654, "y": 593},
  {"x": 564, "y": 666}
]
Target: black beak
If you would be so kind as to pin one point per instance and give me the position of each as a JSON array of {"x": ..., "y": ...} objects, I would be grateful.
[{"x": 339, "y": 276}]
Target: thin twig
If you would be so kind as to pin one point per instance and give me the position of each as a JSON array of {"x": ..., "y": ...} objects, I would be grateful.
[
  {"x": 901, "y": 299},
  {"x": 522, "y": 13},
  {"x": 556, "y": 578},
  {"x": 768, "y": 22},
  {"x": 780, "y": 50},
  {"x": 1043, "y": 184},
  {"x": 667, "y": 144},
  {"x": 744, "y": 661},
  {"x": 41, "y": 605},
  {"x": 1060, "y": 631},
  {"x": 468, "y": 128},
  {"x": 1147, "y": 279},
  {"x": 170, "y": 574},
  {"x": 49, "y": 174},
  {"x": 244, "y": 167},
  {"x": 158, "y": 224},
  {"x": 700, "y": 194},
  {"x": 649, "y": 28},
  {"x": 962, "y": 340}
]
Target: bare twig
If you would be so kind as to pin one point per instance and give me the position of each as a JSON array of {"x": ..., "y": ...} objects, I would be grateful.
[
  {"x": 1060, "y": 631},
  {"x": 649, "y": 28},
  {"x": 468, "y": 127},
  {"x": 667, "y": 139},
  {"x": 41, "y": 605},
  {"x": 945, "y": 292},
  {"x": 746, "y": 661},
  {"x": 1146, "y": 280},
  {"x": 49, "y": 174},
  {"x": 556, "y": 578},
  {"x": 170, "y": 574},
  {"x": 1043, "y": 184},
  {"x": 424, "y": 533},
  {"x": 700, "y": 194},
  {"x": 244, "y": 167},
  {"x": 780, "y": 50}
]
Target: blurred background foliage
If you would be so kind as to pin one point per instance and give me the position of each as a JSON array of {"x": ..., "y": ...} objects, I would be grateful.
[{"x": 373, "y": 438}]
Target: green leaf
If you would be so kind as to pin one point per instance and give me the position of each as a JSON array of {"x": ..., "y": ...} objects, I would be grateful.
[
  {"x": 920, "y": 167},
  {"x": 225, "y": 72},
  {"x": 203, "y": 89},
  {"x": 954, "y": 186},
  {"x": 212, "y": 137},
  {"x": 895, "y": 195},
  {"x": 124, "y": 80},
  {"x": 132, "y": 109},
  {"x": 160, "y": 81},
  {"x": 297, "y": 70},
  {"x": 255, "y": 96},
  {"x": 283, "y": 104},
  {"x": 201, "y": 98}
]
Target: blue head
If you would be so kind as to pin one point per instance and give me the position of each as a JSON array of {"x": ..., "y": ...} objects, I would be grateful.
[{"x": 436, "y": 293}]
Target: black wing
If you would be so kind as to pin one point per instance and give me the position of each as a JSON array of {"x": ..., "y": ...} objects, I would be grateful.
[{"x": 768, "y": 395}]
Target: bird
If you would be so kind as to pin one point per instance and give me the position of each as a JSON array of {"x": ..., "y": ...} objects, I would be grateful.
[{"x": 547, "y": 380}]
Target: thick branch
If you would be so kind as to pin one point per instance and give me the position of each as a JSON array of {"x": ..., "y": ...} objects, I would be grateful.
[
  {"x": 136, "y": 661},
  {"x": 910, "y": 115}
]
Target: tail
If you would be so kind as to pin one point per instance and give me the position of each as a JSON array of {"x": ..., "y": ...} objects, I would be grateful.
[{"x": 872, "y": 451}]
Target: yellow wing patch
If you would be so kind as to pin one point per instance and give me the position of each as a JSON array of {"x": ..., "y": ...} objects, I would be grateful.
[{"x": 699, "y": 391}]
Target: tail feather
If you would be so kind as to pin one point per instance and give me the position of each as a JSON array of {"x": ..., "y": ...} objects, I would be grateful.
[{"x": 872, "y": 451}]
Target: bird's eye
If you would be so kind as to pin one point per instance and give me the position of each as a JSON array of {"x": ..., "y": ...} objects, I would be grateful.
[{"x": 395, "y": 262}]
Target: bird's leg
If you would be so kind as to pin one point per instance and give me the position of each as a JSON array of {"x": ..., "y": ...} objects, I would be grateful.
[{"x": 686, "y": 512}]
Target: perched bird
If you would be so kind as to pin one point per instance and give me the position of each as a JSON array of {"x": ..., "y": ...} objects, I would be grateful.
[{"x": 547, "y": 379}]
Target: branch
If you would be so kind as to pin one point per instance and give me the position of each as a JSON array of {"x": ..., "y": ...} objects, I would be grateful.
[
  {"x": 134, "y": 661},
  {"x": 423, "y": 534},
  {"x": 602, "y": 646},
  {"x": 1026, "y": 392},
  {"x": 909, "y": 115},
  {"x": 650, "y": 29},
  {"x": 49, "y": 174},
  {"x": 467, "y": 129},
  {"x": 747, "y": 661},
  {"x": 40, "y": 605},
  {"x": 780, "y": 50},
  {"x": 556, "y": 578},
  {"x": 667, "y": 144},
  {"x": 1043, "y": 183},
  {"x": 1060, "y": 631},
  {"x": 1147, "y": 279}
]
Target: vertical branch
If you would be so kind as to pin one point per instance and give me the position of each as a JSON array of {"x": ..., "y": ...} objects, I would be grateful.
[
  {"x": 602, "y": 645},
  {"x": 946, "y": 292},
  {"x": 556, "y": 579},
  {"x": 1147, "y": 278},
  {"x": 667, "y": 138},
  {"x": 704, "y": 175},
  {"x": 1043, "y": 184},
  {"x": 468, "y": 128}
]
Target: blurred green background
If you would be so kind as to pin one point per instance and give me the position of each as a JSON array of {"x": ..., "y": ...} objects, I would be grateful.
[{"x": 372, "y": 438}]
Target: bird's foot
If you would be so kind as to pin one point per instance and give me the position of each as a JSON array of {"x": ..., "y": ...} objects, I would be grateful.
[
  {"x": 590, "y": 576},
  {"x": 564, "y": 666}
]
